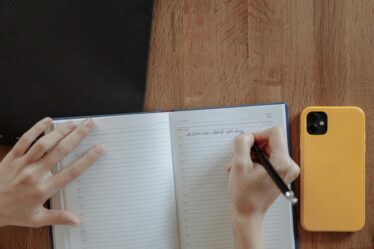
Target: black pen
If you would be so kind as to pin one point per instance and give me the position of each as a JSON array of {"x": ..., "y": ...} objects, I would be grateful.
[{"x": 288, "y": 193}]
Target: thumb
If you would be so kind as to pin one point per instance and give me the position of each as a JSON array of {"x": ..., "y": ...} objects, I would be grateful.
[{"x": 57, "y": 217}]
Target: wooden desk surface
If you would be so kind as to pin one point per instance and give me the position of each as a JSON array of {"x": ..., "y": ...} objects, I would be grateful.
[{"x": 232, "y": 52}]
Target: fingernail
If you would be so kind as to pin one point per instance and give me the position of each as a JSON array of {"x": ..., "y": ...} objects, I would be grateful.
[
  {"x": 98, "y": 150},
  {"x": 47, "y": 120},
  {"x": 74, "y": 224},
  {"x": 88, "y": 123}
]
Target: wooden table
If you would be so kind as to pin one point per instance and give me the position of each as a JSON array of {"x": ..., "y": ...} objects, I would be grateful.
[{"x": 208, "y": 53}]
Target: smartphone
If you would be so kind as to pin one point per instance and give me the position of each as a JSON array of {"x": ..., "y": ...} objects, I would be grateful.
[{"x": 332, "y": 147}]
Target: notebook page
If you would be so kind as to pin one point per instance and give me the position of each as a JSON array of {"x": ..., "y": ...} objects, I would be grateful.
[
  {"x": 126, "y": 199},
  {"x": 202, "y": 145}
]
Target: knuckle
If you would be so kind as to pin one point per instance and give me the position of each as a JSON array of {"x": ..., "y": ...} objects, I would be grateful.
[
  {"x": 62, "y": 149},
  {"x": 294, "y": 172},
  {"x": 287, "y": 168},
  {"x": 283, "y": 171},
  {"x": 16, "y": 151},
  {"x": 62, "y": 131},
  {"x": 81, "y": 131},
  {"x": 41, "y": 146},
  {"x": 27, "y": 160},
  {"x": 26, "y": 139},
  {"x": 48, "y": 162},
  {"x": 26, "y": 178},
  {"x": 242, "y": 138},
  {"x": 74, "y": 172},
  {"x": 65, "y": 129},
  {"x": 240, "y": 163}
]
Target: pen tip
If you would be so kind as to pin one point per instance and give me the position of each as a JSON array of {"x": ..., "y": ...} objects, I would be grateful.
[
  {"x": 294, "y": 200},
  {"x": 291, "y": 197}
]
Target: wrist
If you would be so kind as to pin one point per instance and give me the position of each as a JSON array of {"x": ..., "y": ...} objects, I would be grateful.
[
  {"x": 248, "y": 230},
  {"x": 247, "y": 220}
]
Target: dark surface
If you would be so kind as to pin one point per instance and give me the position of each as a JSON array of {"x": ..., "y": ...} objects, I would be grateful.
[{"x": 70, "y": 58}]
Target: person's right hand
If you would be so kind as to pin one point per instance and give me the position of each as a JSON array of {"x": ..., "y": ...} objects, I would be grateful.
[
  {"x": 26, "y": 181},
  {"x": 252, "y": 190}
]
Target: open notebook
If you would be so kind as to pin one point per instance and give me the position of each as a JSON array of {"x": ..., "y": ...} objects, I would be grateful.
[{"x": 161, "y": 182}]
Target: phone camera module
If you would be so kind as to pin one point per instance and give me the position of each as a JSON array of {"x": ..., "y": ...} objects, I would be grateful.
[{"x": 317, "y": 123}]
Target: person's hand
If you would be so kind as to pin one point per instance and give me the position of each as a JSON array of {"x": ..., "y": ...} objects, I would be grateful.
[
  {"x": 251, "y": 189},
  {"x": 26, "y": 181}
]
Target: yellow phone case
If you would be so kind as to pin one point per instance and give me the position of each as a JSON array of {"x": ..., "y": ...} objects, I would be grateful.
[{"x": 333, "y": 171}]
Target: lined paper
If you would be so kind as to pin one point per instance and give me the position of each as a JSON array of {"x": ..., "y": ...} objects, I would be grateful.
[
  {"x": 161, "y": 182},
  {"x": 202, "y": 145},
  {"x": 127, "y": 199}
]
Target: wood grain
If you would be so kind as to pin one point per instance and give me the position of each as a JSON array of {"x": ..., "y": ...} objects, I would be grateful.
[{"x": 208, "y": 53}]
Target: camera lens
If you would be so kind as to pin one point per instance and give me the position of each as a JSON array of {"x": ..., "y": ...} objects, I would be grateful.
[
  {"x": 313, "y": 128},
  {"x": 312, "y": 117}
]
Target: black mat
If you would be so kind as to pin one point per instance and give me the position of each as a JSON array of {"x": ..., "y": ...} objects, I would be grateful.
[{"x": 70, "y": 58}]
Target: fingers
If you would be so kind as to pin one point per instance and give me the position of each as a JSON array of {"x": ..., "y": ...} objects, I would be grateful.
[
  {"x": 292, "y": 172},
  {"x": 243, "y": 144},
  {"x": 48, "y": 141},
  {"x": 274, "y": 137},
  {"x": 67, "y": 144},
  {"x": 55, "y": 217},
  {"x": 241, "y": 152},
  {"x": 29, "y": 137},
  {"x": 71, "y": 172},
  {"x": 277, "y": 149}
]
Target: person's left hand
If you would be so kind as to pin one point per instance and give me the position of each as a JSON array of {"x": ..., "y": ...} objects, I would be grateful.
[{"x": 26, "y": 181}]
